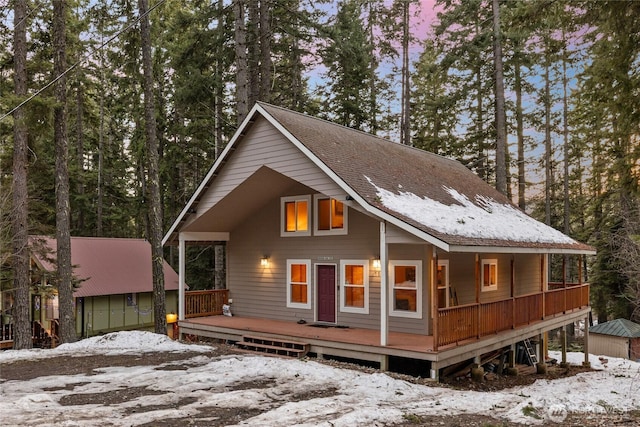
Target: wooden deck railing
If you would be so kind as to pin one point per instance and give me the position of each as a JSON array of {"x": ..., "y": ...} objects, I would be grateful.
[
  {"x": 457, "y": 324},
  {"x": 495, "y": 317},
  {"x": 460, "y": 323},
  {"x": 205, "y": 303},
  {"x": 528, "y": 308}
]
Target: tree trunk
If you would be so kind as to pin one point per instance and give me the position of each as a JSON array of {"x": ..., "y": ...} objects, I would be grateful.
[
  {"x": 219, "y": 251},
  {"x": 522, "y": 182},
  {"x": 63, "y": 210},
  {"x": 501, "y": 137},
  {"x": 253, "y": 51},
  {"x": 153, "y": 179},
  {"x": 22, "y": 326},
  {"x": 80, "y": 152},
  {"x": 265, "y": 50},
  {"x": 406, "y": 88},
  {"x": 565, "y": 137},
  {"x": 241, "y": 60},
  {"x": 547, "y": 141}
]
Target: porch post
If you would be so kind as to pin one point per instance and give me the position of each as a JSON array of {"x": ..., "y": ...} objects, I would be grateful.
[
  {"x": 384, "y": 289},
  {"x": 433, "y": 278},
  {"x": 181, "y": 274},
  {"x": 586, "y": 343},
  {"x": 544, "y": 284}
]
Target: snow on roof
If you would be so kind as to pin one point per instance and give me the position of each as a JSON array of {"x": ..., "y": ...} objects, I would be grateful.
[{"x": 485, "y": 219}]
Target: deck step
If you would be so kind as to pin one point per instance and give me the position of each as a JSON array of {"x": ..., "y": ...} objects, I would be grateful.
[{"x": 273, "y": 346}]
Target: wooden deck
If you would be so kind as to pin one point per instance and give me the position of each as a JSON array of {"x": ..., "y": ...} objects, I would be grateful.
[
  {"x": 349, "y": 342},
  {"x": 364, "y": 344}
]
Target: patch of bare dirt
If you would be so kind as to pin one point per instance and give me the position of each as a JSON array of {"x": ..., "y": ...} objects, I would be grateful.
[{"x": 212, "y": 416}]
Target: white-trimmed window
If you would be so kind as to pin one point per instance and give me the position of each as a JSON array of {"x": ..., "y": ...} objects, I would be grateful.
[
  {"x": 330, "y": 216},
  {"x": 299, "y": 283},
  {"x": 354, "y": 297},
  {"x": 295, "y": 213},
  {"x": 489, "y": 275},
  {"x": 405, "y": 279}
]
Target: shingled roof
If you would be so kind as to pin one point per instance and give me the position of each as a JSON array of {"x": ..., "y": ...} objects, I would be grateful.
[
  {"x": 105, "y": 266},
  {"x": 618, "y": 327},
  {"x": 423, "y": 193}
]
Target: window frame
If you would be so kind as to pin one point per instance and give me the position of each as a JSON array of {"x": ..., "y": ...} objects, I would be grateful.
[
  {"x": 316, "y": 217},
  {"x": 446, "y": 287},
  {"x": 343, "y": 286},
  {"x": 417, "y": 314},
  {"x": 283, "y": 216},
  {"x": 483, "y": 285},
  {"x": 291, "y": 304}
]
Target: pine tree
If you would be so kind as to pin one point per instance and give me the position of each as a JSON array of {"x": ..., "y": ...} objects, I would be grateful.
[
  {"x": 154, "y": 197},
  {"x": 19, "y": 213},
  {"x": 63, "y": 214},
  {"x": 347, "y": 58}
]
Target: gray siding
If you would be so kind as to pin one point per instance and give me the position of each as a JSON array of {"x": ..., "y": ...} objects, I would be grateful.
[
  {"x": 528, "y": 274},
  {"x": 264, "y": 145},
  {"x": 259, "y": 292},
  {"x": 462, "y": 275}
]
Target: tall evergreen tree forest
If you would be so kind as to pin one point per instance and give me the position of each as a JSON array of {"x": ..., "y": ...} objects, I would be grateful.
[{"x": 568, "y": 104}]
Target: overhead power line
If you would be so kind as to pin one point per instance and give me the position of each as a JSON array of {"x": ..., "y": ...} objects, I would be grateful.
[{"x": 80, "y": 61}]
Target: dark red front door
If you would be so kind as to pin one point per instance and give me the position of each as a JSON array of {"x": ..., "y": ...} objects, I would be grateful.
[{"x": 326, "y": 281}]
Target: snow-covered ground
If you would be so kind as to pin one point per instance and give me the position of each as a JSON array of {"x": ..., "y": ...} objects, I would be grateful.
[{"x": 352, "y": 397}]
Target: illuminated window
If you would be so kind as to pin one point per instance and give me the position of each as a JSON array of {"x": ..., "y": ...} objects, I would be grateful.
[
  {"x": 405, "y": 279},
  {"x": 298, "y": 283},
  {"x": 331, "y": 216},
  {"x": 295, "y": 213},
  {"x": 489, "y": 274},
  {"x": 355, "y": 286}
]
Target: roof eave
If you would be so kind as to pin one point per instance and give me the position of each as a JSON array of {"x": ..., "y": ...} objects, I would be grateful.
[
  {"x": 521, "y": 250},
  {"x": 352, "y": 193},
  {"x": 216, "y": 165}
]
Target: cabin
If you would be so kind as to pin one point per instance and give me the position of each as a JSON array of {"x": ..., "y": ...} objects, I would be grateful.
[
  {"x": 616, "y": 338},
  {"x": 113, "y": 291},
  {"x": 341, "y": 243}
]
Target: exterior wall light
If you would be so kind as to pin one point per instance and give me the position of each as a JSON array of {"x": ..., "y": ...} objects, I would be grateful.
[
  {"x": 376, "y": 264},
  {"x": 264, "y": 262}
]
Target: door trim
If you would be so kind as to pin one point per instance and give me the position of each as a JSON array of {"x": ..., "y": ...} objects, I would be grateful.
[{"x": 317, "y": 287}]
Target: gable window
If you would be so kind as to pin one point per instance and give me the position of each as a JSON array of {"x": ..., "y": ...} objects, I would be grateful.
[
  {"x": 355, "y": 286},
  {"x": 299, "y": 283},
  {"x": 405, "y": 279},
  {"x": 489, "y": 274},
  {"x": 330, "y": 216},
  {"x": 295, "y": 215}
]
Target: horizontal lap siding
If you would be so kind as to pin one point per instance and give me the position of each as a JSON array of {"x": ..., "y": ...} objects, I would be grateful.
[
  {"x": 504, "y": 278},
  {"x": 264, "y": 145},
  {"x": 413, "y": 253},
  {"x": 462, "y": 275},
  {"x": 259, "y": 292},
  {"x": 528, "y": 275}
]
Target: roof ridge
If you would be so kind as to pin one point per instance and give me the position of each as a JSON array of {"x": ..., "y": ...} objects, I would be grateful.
[{"x": 367, "y": 134}]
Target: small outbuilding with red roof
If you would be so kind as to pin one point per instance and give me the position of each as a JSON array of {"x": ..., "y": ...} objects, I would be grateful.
[{"x": 113, "y": 283}]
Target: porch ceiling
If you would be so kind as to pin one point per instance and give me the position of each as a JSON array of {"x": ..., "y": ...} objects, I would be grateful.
[{"x": 264, "y": 185}]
